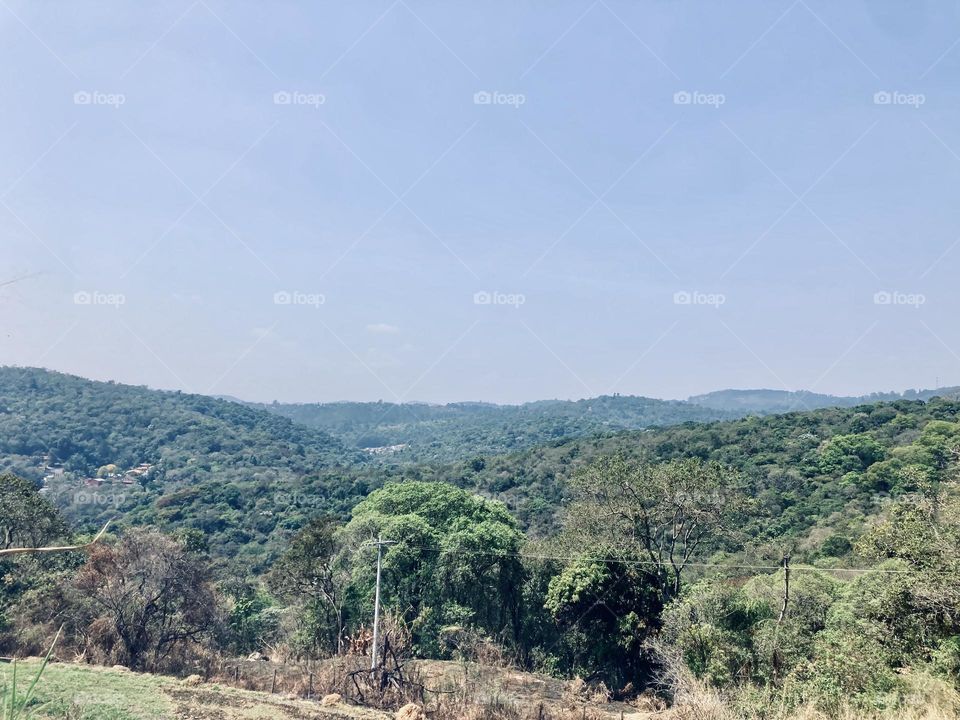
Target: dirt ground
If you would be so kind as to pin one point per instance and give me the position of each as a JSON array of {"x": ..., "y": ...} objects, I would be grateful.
[{"x": 83, "y": 691}]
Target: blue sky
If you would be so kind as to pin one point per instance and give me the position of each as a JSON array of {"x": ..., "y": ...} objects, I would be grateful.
[{"x": 502, "y": 201}]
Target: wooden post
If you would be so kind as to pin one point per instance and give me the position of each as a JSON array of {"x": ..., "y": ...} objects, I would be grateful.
[
  {"x": 775, "y": 659},
  {"x": 236, "y": 674},
  {"x": 273, "y": 685},
  {"x": 786, "y": 588},
  {"x": 310, "y": 685}
]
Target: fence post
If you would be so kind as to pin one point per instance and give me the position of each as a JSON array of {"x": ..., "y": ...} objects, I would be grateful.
[{"x": 273, "y": 685}]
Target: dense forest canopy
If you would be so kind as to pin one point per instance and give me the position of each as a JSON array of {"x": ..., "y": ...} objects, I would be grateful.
[
  {"x": 606, "y": 557},
  {"x": 249, "y": 479},
  {"x": 81, "y": 425},
  {"x": 443, "y": 433},
  {"x": 420, "y": 432}
]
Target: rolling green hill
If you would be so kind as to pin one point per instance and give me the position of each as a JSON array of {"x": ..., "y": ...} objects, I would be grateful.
[
  {"x": 827, "y": 469},
  {"x": 861, "y": 499},
  {"x": 765, "y": 401},
  {"x": 444, "y": 433},
  {"x": 208, "y": 456},
  {"x": 246, "y": 478},
  {"x": 420, "y": 432}
]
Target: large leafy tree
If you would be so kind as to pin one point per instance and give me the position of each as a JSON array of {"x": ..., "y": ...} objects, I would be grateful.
[
  {"x": 850, "y": 453},
  {"x": 662, "y": 515},
  {"x": 918, "y": 602},
  {"x": 455, "y": 561},
  {"x": 634, "y": 528},
  {"x": 605, "y": 611},
  {"x": 27, "y": 519}
]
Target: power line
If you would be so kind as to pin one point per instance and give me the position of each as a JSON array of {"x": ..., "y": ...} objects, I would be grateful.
[{"x": 652, "y": 563}]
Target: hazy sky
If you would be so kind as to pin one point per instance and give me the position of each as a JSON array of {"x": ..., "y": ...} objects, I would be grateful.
[{"x": 302, "y": 201}]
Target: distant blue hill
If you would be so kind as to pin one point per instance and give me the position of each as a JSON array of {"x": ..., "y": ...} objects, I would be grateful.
[{"x": 778, "y": 401}]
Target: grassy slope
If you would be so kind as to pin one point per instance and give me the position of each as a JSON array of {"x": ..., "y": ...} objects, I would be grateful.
[{"x": 82, "y": 692}]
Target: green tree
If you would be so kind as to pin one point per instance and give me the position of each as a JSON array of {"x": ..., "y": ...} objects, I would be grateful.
[
  {"x": 27, "y": 519},
  {"x": 850, "y": 453},
  {"x": 665, "y": 515},
  {"x": 455, "y": 561},
  {"x": 605, "y": 611},
  {"x": 313, "y": 572},
  {"x": 913, "y": 595}
]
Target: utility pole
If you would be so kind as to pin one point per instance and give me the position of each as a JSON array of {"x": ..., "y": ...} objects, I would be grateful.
[
  {"x": 380, "y": 543},
  {"x": 786, "y": 589},
  {"x": 776, "y": 659}
]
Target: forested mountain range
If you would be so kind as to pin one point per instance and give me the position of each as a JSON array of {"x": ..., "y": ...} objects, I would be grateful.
[
  {"x": 247, "y": 478},
  {"x": 862, "y": 500},
  {"x": 766, "y": 401},
  {"x": 831, "y": 467},
  {"x": 447, "y": 432},
  {"x": 421, "y": 432},
  {"x": 56, "y": 419},
  {"x": 70, "y": 430}
]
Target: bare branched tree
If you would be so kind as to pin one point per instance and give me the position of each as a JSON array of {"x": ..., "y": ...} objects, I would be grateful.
[{"x": 665, "y": 515}]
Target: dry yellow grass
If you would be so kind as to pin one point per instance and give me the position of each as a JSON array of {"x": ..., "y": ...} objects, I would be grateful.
[{"x": 927, "y": 699}]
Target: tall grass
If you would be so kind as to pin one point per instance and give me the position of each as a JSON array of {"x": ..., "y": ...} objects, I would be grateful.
[{"x": 14, "y": 706}]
